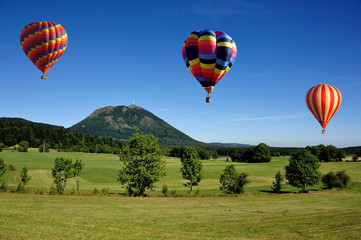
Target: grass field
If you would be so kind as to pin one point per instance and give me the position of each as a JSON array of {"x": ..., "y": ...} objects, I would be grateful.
[
  {"x": 100, "y": 172},
  {"x": 329, "y": 214},
  {"x": 326, "y": 214}
]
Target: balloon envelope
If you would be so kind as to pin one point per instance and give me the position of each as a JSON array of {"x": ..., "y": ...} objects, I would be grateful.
[
  {"x": 44, "y": 43},
  {"x": 323, "y": 101},
  {"x": 208, "y": 56}
]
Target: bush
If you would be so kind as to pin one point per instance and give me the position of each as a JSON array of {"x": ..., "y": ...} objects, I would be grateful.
[
  {"x": 24, "y": 179},
  {"x": 23, "y": 146},
  {"x": 277, "y": 184},
  {"x": 105, "y": 191},
  {"x": 165, "y": 190},
  {"x": 12, "y": 168},
  {"x": 3, "y": 167},
  {"x": 41, "y": 148},
  {"x": 339, "y": 179},
  {"x": 95, "y": 191},
  {"x": 52, "y": 190},
  {"x": 3, "y": 187},
  {"x": 173, "y": 193},
  {"x": 231, "y": 182}
]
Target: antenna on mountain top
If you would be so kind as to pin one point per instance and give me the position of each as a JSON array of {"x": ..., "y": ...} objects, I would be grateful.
[{"x": 133, "y": 100}]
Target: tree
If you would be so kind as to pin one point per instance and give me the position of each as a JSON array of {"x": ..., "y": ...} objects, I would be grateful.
[
  {"x": 191, "y": 167},
  {"x": 143, "y": 166},
  {"x": 24, "y": 179},
  {"x": 327, "y": 153},
  {"x": 3, "y": 167},
  {"x": 215, "y": 155},
  {"x": 203, "y": 154},
  {"x": 77, "y": 168},
  {"x": 236, "y": 155},
  {"x": 257, "y": 154},
  {"x": 277, "y": 184},
  {"x": 62, "y": 171},
  {"x": 46, "y": 149},
  {"x": 231, "y": 182},
  {"x": 302, "y": 169},
  {"x": 23, "y": 146}
]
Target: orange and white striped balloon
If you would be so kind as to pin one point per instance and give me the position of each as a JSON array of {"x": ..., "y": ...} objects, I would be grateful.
[{"x": 323, "y": 101}]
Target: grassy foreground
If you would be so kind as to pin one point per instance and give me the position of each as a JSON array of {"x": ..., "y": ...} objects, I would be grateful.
[
  {"x": 331, "y": 214},
  {"x": 101, "y": 170}
]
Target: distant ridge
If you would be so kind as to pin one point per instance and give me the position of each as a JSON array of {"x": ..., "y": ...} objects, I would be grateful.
[
  {"x": 230, "y": 144},
  {"x": 121, "y": 122}
]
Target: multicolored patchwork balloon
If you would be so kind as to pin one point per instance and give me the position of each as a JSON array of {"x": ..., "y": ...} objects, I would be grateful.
[
  {"x": 208, "y": 56},
  {"x": 44, "y": 43},
  {"x": 323, "y": 101}
]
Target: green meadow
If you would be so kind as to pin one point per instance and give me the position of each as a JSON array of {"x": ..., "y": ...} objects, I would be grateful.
[
  {"x": 257, "y": 214},
  {"x": 100, "y": 171}
]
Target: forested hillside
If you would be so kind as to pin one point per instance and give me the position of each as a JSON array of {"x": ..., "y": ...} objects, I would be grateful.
[{"x": 15, "y": 130}]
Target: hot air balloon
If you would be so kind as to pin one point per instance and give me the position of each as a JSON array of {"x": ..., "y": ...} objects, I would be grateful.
[
  {"x": 208, "y": 56},
  {"x": 44, "y": 43},
  {"x": 323, "y": 101}
]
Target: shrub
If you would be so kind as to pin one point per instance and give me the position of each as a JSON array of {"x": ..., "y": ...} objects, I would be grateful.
[
  {"x": 3, "y": 187},
  {"x": 165, "y": 190},
  {"x": 95, "y": 191},
  {"x": 23, "y": 146},
  {"x": 24, "y": 179},
  {"x": 339, "y": 179},
  {"x": 105, "y": 191},
  {"x": 12, "y": 168},
  {"x": 173, "y": 193},
  {"x": 277, "y": 184},
  {"x": 42, "y": 149},
  {"x": 52, "y": 190},
  {"x": 3, "y": 167},
  {"x": 231, "y": 182}
]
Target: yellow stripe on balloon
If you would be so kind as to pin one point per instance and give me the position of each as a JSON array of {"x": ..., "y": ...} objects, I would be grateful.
[
  {"x": 337, "y": 101},
  {"x": 207, "y": 37},
  {"x": 312, "y": 104},
  {"x": 217, "y": 71},
  {"x": 224, "y": 44},
  {"x": 319, "y": 101},
  {"x": 208, "y": 66},
  {"x": 194, "y": 61},
  {"x": 327, "y": 101},
  {"x": 193, "y": 36}
]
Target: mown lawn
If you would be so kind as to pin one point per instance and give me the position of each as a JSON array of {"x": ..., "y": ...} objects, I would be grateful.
[
  {"x": 100, "y": 172},
  {"x": 328, "y": 214}
]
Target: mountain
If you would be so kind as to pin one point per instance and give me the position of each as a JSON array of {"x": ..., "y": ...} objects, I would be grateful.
[
  {"x": 121, "y": 122},
  {"x": 230, "y": 144}
]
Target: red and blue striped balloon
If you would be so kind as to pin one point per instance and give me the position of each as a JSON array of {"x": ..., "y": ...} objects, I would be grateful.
[{"x": 44, "y": 43}]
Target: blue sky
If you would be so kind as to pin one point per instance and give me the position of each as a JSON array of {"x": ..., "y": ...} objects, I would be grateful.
[{"x": 120, "y": 50}]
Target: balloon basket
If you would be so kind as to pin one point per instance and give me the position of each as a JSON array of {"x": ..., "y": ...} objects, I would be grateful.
[
  {"x": 44, "y": 77},
  {"x": 323, "y": 131},
  {"x": 208, "y": 99}
]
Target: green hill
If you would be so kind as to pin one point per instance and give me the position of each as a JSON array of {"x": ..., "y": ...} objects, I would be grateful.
[{"x": 121, "y": 122}]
